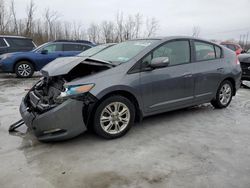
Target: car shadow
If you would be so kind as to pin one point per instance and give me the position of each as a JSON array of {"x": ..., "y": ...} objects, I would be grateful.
[
  {"x": 13, "y": 76},
  {"x": 245, "y": 84},
  {"x": 139, "y": 127}
]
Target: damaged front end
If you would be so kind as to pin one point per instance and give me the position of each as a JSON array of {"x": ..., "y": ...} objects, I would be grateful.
[{"x": 54, "y": 109}]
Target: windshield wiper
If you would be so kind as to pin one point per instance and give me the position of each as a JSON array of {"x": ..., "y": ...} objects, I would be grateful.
[{"x": 101, "y": 61}]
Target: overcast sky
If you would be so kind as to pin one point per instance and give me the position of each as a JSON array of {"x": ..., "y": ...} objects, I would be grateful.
[{"x": 217, "y": 19}]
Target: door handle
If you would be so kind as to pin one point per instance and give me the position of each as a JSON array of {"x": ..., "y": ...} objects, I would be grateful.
[
  {"x": 187, "y": 74},
  {"x": 220, "y": 69}
]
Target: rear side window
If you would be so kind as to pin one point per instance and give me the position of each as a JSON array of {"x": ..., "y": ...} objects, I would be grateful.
[
  {"x": 177, "y": 51},
  {"x": 74, "y": 47},
  {"x": 204, "y": 51},
  {"x": 2, "y": 43},
  {"x": 218, "y": 52},
  {"x": 20, "y": 42}
]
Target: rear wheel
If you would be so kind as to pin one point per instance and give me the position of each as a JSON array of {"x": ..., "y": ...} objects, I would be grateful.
[
  {"x": 114, "y": 117},
  {"x": 24, "y": 69},
  {"x": 224, "y": 95}
]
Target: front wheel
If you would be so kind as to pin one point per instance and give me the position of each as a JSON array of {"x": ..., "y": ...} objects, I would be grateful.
[
  {"x": 24, "y": 69},
  {"x": 224, "y": 95},
  {"x": 114, "y": 117}
]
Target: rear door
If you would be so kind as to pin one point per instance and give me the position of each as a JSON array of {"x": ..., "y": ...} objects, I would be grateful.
[
  {"x": 169, "y": 87},
  {"x": 208, "y": 69}
]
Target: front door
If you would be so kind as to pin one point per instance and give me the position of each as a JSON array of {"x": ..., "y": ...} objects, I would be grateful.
[{"x": 169, "y": 87}]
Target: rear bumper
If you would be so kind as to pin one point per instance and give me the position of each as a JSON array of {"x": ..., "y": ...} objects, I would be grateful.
[{"x": 60, "y": 123}]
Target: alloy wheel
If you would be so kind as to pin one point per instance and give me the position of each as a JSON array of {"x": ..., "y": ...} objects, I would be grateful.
[
  {"x": 225, "y": 94},
  {"x": 115, "y": 117},
  {"x": 24, "y": 70}
]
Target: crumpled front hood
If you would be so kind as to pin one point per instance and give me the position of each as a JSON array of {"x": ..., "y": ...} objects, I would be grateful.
[{"x": 62, "y": 66}]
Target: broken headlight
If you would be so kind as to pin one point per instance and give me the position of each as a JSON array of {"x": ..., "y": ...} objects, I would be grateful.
[{"x": 74, "y": 91}]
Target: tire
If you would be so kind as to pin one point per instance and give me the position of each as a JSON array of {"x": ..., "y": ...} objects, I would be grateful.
[
  {"x": 224, "y": 95},
  {"x": 113, "y": 124},
  {"x": 24, "y": 69}
]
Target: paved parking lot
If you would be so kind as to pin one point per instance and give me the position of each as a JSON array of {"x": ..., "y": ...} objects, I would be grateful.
[{"x": 195, "y": 147}]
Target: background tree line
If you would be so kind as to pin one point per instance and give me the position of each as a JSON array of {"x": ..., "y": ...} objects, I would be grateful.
[{"x": 49, "y": 26}]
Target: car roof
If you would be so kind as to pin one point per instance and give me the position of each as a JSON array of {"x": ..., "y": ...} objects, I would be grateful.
[
  {"x": 75, "y": 41},
  {"x": 162, "y": 39},
  {"x": 14, "y": 36}
]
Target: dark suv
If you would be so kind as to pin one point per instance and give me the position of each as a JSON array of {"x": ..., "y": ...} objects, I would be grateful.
[
  {"x": 15, "y": 44},
  {"x": 25, "y": 63}
]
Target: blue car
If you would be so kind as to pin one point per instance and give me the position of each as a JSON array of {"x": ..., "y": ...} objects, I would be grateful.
[{"x": 24, "y": 64}]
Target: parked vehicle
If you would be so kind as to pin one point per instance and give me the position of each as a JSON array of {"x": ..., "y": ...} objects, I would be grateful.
[
  {"x": 232, "y": 46},
  {"x": 25, "y": 63},
  {"x": 128, "y": 81},
  {"x": 92, "y": 51},
  {"x": 10, "y": 44},
  {"x": 245, "y": 65}
]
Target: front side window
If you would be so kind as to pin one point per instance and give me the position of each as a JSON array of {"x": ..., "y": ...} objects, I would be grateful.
[
  {"x": 204, "y": 51},
  {"x": 52, "y": 48},
  {"x": 178, "y": 52},
  {"x": 124, "y": 51}
]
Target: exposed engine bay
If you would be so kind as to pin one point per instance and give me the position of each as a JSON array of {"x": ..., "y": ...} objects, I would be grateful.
[{"x": 45, "y": 93}]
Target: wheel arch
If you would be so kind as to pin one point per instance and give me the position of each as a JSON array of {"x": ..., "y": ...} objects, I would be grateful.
[
  {"x": 24, "y": 59},
  {"x": 91, "y": 109},
  {"x": 230, "y": 79}
]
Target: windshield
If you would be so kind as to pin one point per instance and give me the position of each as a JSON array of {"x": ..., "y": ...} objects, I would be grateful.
[
  {"x": 94, "y": 50},
  {"x": 124, "y": 51}
]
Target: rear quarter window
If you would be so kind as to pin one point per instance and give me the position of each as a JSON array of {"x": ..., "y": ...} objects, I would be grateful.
[
  {"x": 218, "y": 51},
  {"x": 20, "y": 42},
  {"x": 75, "y": 47},
  {"x": 2, "y": 43}
]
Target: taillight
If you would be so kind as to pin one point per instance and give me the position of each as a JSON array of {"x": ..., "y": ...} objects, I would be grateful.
[{"x": 237, "y": 62}]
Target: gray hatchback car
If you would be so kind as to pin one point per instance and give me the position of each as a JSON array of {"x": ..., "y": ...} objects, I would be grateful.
[{"x": 109, "y": 91}]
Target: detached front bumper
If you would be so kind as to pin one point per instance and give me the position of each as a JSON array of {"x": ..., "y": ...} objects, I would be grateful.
[{"x": 63, "y": 122}]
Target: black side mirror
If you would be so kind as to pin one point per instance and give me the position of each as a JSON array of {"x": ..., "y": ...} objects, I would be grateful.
[
  {"x": 44, "y": 52},
  {"x": 159, "y": 62}
]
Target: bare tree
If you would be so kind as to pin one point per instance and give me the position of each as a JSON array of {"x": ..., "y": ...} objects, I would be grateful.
[
  {"x": 196, "y": 31},
  {"x": 50, "y": 27},
  {"x": 138, "y": 24},
  {"x": 108, "y": 31},
  {"x": 151, "y": 27},
  {"x": 14, "y": 18},
  {"x": 129, "y": 28},
  {"x": 30, "y": 16},
  {"x": 50, "y": 17},
  {"x": 93, "y": 32},
  {"x": 4, "y": 18},
  {"x": 119, "y": 27}
]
